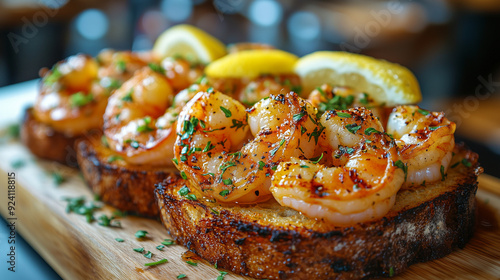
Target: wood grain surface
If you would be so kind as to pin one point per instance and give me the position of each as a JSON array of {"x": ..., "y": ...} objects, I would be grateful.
[{"x": 77, "y": 249}]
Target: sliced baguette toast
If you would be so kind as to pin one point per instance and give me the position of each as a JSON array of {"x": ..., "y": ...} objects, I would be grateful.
[
  {"x": 46, "y": 143},
  {"x": 127, "y": 187},
  {"x": 270, "y": 241}
]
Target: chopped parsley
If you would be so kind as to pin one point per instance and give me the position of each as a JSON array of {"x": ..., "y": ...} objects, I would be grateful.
[
  {"x": 148, "y": 255},
  {"x": 353, "y": 128},
  {"x": 128, "y": 97},
  {"x": 57, "y": 177},
  {"x": 121, "y": 66},
  {"x": 106, "y": 221},
  {"x": 79, "y": 206},
  {"x": 191, "y": 196},
  {"x": 141, "y": 234},
  {"x": 180, "y": 276},
  {"x": 273, "y": 151},
  {"x": 226, "y": 112},
  {"x": 80, "y": 99},
  {"x": 54, "y": 75},
  {"x": 192, "y": 263},
  {"x": 138, "y": 250},
  {"x": 299, "y": 116},
  {"x": 114, "y": 158},
  {"x": 145, "y": 126},
  {"x": 370, "y": 130},
  {"x": 224, "y": 193},
  {"x": 119, "y": 239},
  {"x": 222, "y": 274},
  {"x": 160, "y": 247},
  {"x": 261, "y": 165},
  {"x": 336, "y": 103},
  {"x": 157, "y": 68},
  {"x": 466, "y": 162},
  {"x": 227, "y": 181},
  {"x": 168, "y": 242},
  {"x": 183, "y": 175},
  {"x": 343, "y": 115},
  {"x": 237, "y": 124},
  {"x": 364, "y": 100}
]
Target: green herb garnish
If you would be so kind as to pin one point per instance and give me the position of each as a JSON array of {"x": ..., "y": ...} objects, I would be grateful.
[
  {"x": 141, "y": 234},
  {"x": 226, "y": 112},
  {"x": 156, "y": 263}
]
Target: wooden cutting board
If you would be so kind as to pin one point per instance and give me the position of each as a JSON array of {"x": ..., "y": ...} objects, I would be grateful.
[{"x": 77, "y": 249}]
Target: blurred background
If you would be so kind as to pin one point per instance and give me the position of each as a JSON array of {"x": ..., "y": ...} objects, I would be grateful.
[{"x": 450, "y": 45}]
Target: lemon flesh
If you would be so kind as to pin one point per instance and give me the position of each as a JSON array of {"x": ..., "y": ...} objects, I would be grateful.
[
  {"x": 384, "y": 81},
  {"x": 190, "y": 42},
  {"x": 252, "y": 63}
]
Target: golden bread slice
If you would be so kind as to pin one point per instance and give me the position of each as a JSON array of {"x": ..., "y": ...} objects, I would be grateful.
[
  {"x": 270, "y": 241},
  {"x": 129, "y": 188},
  {"x": 46, "y": 143}
]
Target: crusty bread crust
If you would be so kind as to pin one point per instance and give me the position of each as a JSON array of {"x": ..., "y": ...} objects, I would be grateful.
[
  {"x": 45, "y": 142},
  {"x": 127, "y": 187},
  {"x": 275, "y": 242}
]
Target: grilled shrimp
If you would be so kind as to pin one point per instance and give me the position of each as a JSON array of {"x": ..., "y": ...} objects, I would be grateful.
[
  {"x": 131, "y": 123},
  {"x": 360, "y": 185},
  {"x": 217, "y": 154},
  {"x": 66, "y": 100},
  {"x": 425, "y": 142}
]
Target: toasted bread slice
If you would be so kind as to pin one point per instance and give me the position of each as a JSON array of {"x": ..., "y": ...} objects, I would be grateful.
[
  {"x": 46, "y": 143},
  {"x": 125, "y": 186},
  {"x": 270, "y": 241}
]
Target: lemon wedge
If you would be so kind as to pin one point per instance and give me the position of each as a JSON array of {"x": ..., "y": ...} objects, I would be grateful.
[
  {"x": 189, "y": 41},
  {"x": 252, "y": 63},
  {"x": 384, "y": 81}
]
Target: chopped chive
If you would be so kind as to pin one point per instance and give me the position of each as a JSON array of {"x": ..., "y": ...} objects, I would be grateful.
[
  {"x": 423, "y": 112},
  {"x": 183, "y": 175},
  {"x": 156, "y": 263},
  {"x": 191, "y": 263},
  {"x": 299, "y": 116},
  {"x": 304, "y": 166},
  {"x": 316, "y": 160}
]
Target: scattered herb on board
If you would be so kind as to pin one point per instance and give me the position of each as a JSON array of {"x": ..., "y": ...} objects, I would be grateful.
[
  {"x": 148, "y": 255},
  {"x": 192, "y": 263},
  {"x": 160, "y": 247},
  {"x": 138, "y": 250},
  {"x": 141, "y": 234},
  {"x": 119, "y": 239},
  {"x": 57, "y": 177},
  {"x": 106, "y": 221},
  {"x": 180, "y": 276},
  {"x": 18, "y": 163},
  {"x": 78, "y": 206},
  {"x": 221, "y": 276},
  {"x": 156, "y": 263},
  {"x": 168, "y": 242}
]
